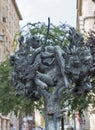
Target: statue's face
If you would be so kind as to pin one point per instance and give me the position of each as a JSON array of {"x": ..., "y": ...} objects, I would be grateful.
[{"x": 78, "y": 63}]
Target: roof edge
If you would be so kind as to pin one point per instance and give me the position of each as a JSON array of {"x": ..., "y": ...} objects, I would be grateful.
[{"x": 17, "y": 9}]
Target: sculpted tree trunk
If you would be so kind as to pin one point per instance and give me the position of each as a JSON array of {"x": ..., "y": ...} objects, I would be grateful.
[
  {"x": 52, "y": 112},
  {"x": 49, "y": 71},
  {"x": 52, "y": 109}
]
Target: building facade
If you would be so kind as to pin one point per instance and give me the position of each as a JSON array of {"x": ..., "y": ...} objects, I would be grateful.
[
  {"x": 9, "y": 25},
  {"x": 86, "y": 15},
  {"x": 86, "y": 23}
]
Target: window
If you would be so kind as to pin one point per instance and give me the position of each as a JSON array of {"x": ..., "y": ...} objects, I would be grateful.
[{"x": 4, "y": 19}]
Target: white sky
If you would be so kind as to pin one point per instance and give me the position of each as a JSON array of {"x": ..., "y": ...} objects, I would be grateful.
[{"x": 39, "y": 10}]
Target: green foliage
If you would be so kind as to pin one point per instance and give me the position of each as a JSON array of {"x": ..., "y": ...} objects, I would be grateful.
[
  {"x": 8, "y": 100},
  {"x": 56, "y": 36},
  {"x": 79, "y": 103},
  {"x": 6, "y": 91}
]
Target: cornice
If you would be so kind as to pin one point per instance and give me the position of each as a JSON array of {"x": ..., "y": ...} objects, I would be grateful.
[{"x": 17, "y": 9}]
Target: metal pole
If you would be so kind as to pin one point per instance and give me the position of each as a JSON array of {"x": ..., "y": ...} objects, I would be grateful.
[
  {"x": 74, "y": 122},
  {"x": 62, "y": 123}
]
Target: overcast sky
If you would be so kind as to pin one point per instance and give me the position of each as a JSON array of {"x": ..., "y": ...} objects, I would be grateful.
[{"x": 39, "y": 10}]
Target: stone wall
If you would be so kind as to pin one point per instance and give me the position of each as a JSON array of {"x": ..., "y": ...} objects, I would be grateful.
[{"x": 9, "y": 26}]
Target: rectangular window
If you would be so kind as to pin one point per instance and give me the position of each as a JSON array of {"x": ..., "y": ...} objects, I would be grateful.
[{"x": 4, "y": 19}]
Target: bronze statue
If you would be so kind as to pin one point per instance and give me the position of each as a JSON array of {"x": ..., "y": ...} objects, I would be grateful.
[{"x": 38, "y": 67}]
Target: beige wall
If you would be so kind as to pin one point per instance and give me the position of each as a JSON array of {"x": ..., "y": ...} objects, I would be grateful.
[
  {"x": 86, "y": 15},
  {"x": 9, "y": 25},
  {"x": 86, "y": 22},
  {"x": 4, "y": 122}
]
